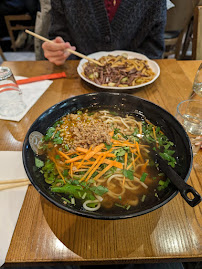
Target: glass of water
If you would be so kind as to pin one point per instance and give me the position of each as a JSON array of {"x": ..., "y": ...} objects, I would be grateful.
[
  {"x": 197, "y": 85},
  {"x": 189, "y": 114},
  {"x": 11, "y": 103}
]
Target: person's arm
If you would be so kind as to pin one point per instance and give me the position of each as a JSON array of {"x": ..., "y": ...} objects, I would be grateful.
[
  {"x": 56, "y": 52},
  {"x": 153, "y": 44}
]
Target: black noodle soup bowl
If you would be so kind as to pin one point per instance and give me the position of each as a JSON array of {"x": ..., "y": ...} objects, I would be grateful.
[{"x": 122, "y": 104}]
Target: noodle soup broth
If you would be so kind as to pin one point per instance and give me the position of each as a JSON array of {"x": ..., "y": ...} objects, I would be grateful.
[{"x": 99, "y": 161}]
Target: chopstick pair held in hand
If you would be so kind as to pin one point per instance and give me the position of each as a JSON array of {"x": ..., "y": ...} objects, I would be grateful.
[
  {"x": 13, "y": 183},
  {"x": 68, "y": 49},
  {"x": 57, "y": 51}
]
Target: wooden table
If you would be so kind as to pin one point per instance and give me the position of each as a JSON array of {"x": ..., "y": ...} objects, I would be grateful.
[{"x": 45, "y": 234}]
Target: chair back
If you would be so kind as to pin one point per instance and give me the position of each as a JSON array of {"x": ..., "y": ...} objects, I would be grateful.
[
  {"x": 178, "y": 31},
  {"x": 197, "y": 34},
  {"x": 179, "y": 16}
]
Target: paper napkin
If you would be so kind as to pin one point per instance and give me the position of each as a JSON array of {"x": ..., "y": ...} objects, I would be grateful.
[{"x": 11, "y": 200}]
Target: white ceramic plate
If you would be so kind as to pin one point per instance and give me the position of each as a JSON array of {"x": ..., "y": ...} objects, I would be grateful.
[{"x": 153, "y": 65}]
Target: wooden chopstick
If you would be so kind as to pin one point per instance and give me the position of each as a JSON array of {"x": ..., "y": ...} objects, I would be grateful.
[
  {"x": 72, "y": 51},
  {"x": 13, "y": 183},
  {"x": 16, "y": 185}
]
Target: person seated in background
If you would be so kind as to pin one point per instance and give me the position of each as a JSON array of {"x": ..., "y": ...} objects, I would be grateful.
[{"x": 97, "y": 25}]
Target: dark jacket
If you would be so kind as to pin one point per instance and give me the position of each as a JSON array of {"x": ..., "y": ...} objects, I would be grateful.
[{"x": 137, "y": 26}]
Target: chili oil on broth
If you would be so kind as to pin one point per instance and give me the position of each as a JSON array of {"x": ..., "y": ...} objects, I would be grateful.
[{"x": 126, "y": 191}]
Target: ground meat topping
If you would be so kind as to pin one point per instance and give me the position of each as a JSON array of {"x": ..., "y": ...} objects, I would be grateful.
[{"x": 84, "y": 131}]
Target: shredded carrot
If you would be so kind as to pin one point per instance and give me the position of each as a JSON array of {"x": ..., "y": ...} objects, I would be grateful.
[
  {"x": 149, "y": 122},
  {"x": 114, "y": 163},
  {"x": 58, "y": 169},
  {"x": 81, "y": 168},
  {"x": 138, "y": 149},
  {"x": 70, "y": 153},
  {"x": 103, "y": 172},
  {"x": 110, "y": 155},
  {"x": 133, "y": 162},
  {"x": 63, "y": 154},
  {"x": 96, "y": 167},
  {"x": 84, "y": 157},
  {"x": 84, "y": 163},
  {"x": 123, "y": 143},
  {"x": 140, "y": 125},
  {"x": 89, "y": 170},
  {"x": 115, "y": 141},
  {"x": 111, "y": 133},
  {"x": 126, "y": 159},
  {"x": 153, "y": 128},
  {"x": 125, "y": 165},
  {"x": 144, "y": 166},
  {"x": 71, "y": 171},
  {"x": 94, "y": 151},
  {"x": 134, "y": 151},
  {"x": 79, "y": 149},
  {"x": 154, "y": 132},
  {"x": 120, "y": 136},
  {"x": 74, "y": 159}
]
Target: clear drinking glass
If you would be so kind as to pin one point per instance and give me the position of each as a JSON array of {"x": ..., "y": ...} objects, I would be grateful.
[
  {"x": 197, "y": 85},
  {"x": 11, "y": 103},
  {"x": 189, "y": 114}
]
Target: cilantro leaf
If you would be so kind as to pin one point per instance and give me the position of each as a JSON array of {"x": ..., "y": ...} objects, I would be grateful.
[
  {"x": 39, "y": 163},
  {"x": 100, "y": 190},
  {"x": 108, "y": 146},
  {"x": 120, "y": 152},
  {"x": 49, "y": 133},
  {"x": 143, "y": 177},
  {"x": 58, "y": 140},
  {"x": 128, "y": 174}
]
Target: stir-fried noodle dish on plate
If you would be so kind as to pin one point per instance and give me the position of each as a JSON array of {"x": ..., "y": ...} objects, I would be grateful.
[
  {"x": 98, "y": 160},
  {"x": 119, "y": 71}
]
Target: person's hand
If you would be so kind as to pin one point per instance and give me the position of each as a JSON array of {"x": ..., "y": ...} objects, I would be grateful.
[{"x": 56, "y": 52}]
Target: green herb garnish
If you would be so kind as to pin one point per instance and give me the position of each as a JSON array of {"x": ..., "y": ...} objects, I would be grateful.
[
  {"x": 38, "y": 163},
  {"x": 128, "y": 174},
  {"x": 143, "y": 177}
]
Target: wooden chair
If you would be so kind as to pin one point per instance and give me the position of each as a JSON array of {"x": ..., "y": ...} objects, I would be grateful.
[
  {"x": 18, "y": 21},
  {"x": 2, "y": 55},
  {"x": 179, "y": 23},
  {"x": 197, "y": 34}
]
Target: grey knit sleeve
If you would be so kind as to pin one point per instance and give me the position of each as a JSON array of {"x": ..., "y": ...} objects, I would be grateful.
[{"x": 153, "y": 44}]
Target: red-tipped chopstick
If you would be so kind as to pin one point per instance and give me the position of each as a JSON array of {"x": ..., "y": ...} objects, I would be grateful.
[{"x": 43, "y": 77}]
